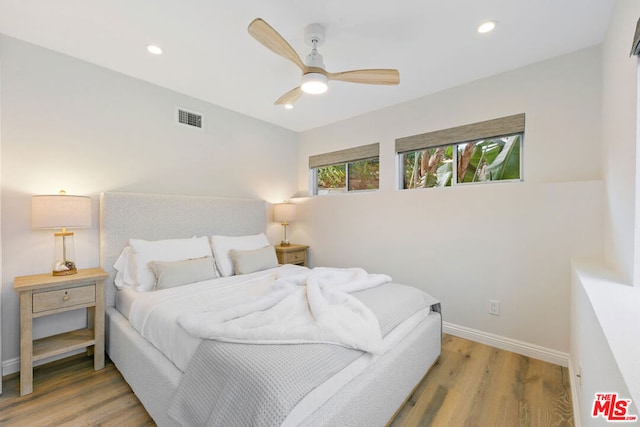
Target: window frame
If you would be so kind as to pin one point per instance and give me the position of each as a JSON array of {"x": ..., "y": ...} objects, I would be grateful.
[
  {"x": 471, "y": 133},
  {"x": 342, "y": 157}
]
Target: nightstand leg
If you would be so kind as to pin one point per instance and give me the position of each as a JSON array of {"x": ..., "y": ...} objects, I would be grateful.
[
  {"x": 26, "y": 344},
  {"x": 91, "y": 315},
  {"x": 98, "y": 327}
]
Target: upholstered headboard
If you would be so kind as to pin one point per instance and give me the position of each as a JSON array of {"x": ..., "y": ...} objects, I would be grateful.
[{"x": 124, "y": 216}]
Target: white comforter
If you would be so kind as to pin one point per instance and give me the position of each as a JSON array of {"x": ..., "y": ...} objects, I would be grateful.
[
  {"x": 298, "y": 305},
  {"x": 155, "y": 314}
]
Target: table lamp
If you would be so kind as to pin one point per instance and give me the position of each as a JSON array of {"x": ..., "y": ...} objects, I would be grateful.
[
  {"x": 284, "y": 213},
  {"x": 61, "y": 211}
]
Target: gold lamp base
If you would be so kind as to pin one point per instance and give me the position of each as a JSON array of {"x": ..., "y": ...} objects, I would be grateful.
[{"x": 65, "y": 272}]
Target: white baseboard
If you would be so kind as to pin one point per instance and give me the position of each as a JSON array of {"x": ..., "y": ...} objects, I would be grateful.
[
  {"x": 12, "y": 366},
  {"x": 509, "y": 344}
]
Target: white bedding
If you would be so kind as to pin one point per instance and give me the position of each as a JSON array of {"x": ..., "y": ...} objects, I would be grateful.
[
  {"x": 300, "y": 305},
  {"x": 154, "y": 314}
]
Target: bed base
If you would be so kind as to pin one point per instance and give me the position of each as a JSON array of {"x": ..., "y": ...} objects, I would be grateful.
[{"x": 370, "y": 399}]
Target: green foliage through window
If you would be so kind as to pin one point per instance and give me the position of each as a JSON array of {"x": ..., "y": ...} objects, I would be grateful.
[
  {"x": 360, "y": 175},
  {"x": 495, "y": 159}
]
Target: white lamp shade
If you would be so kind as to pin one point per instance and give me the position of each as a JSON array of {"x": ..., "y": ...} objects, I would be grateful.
[
  {"x": 60, "y": 211},
  {"x": 284, "y": 212}
]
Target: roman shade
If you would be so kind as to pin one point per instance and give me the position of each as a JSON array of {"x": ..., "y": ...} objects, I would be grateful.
[
  {"x": 635, "y": 48},
  {"x": 482, "y": 130},
  {"x": 344, "y": 156}
]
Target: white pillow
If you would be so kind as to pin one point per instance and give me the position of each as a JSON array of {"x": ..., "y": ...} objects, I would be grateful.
[
  {"x": 164, "y": 250},
  {"x": 245, "y": 262},
  {"x": 223, "y": 244},
  {"x": 170, "y": 274},
  {"x": 125, "y": 267}
]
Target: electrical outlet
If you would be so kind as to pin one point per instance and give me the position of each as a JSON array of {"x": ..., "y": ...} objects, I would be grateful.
[{"x": 494, "y": 307}]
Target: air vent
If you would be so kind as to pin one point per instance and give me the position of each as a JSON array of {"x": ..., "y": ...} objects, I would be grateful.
[{"x": 190, "y": 119}]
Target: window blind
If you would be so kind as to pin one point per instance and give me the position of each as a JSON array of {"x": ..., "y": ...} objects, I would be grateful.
[
  {"x": 345, "y": 156},
  {"x": 482, "y": 130},
  {"x": 635, "y": 48}
]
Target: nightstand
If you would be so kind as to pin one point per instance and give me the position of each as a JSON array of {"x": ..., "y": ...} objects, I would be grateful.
[
  {"x": 292, "y": 254},
  {"x": 43, "y": 295}
]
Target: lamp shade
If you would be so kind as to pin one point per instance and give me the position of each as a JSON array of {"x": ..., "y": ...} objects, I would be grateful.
[
  {"x": 60, "y": 211},
  {"x": 284, "y": 212}
]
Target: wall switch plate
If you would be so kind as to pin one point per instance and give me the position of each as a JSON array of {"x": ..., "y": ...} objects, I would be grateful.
[{"x": 494, "y": 307}]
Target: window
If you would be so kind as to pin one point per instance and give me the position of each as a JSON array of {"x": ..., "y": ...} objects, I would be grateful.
[
  {"x": 354, "y": 169},
  {"x": 483, "y": 152}
]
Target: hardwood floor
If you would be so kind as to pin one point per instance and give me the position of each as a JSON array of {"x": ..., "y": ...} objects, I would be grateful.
[
  {"x": 471, "y": 385},
  {"x": 476, "y": 385},
  {"x": 70, "y": 393}
]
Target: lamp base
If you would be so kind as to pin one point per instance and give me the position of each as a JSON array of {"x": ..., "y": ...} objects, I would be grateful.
[
  {"x": 283, "y": 243},
  {"x": 64, "y": 268},
  {"x": 65, "y": 272}
]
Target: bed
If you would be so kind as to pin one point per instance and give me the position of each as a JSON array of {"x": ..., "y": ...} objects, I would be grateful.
[{"x": 367, "y": 391}]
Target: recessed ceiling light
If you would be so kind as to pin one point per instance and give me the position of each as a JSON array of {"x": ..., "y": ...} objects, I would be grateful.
[
  {"x": 488, "y": 26},
  {"x": 156, "y": 50},
  {"x": 288, "y": 106}
]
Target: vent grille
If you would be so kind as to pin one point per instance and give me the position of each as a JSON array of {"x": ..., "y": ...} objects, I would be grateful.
[{"x": 190, "y": 119}]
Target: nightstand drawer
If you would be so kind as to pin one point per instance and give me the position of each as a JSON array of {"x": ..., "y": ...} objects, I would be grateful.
[
  {"x": 294, "y": 257},
  {"x": 51, "y": 300}
]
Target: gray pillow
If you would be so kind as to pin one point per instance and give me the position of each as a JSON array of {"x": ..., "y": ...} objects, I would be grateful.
[
  {"x": 177, "y": 273},
  {"x": 253, "y": 260}
]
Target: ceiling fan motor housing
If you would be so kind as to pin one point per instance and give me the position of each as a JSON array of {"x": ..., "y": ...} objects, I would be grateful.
[{"x": 314, "y": 35}]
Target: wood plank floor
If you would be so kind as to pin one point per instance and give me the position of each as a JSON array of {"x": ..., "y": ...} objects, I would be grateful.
[
  {"x": 471, "y": 385},
  {"x": 476, "y": 385}
]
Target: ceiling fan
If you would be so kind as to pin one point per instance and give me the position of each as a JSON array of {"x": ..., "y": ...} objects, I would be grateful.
[{"x": 314, "y": 75}]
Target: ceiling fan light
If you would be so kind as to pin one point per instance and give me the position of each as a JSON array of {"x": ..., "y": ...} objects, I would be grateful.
[
  {"x": 487, "y": 26},
  {"x": 156, "y": 50},
  {"x": 314, "y": 83}
]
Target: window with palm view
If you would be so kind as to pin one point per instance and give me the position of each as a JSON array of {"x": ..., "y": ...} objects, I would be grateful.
[
  {"x": 486, "y": 160},
  {"x": 481, "y": 152}
]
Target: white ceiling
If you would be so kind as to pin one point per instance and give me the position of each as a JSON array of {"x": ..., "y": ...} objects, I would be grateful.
[{"x": 209, "y": 55}]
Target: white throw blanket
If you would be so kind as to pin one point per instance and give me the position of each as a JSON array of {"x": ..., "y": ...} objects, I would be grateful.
[{"x": 299, "y": 306}]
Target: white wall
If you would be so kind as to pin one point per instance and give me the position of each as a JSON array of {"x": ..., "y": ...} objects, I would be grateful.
[
  {"x": 0, "y": 216},
  {"x": 70, "y": 125},
  {"x": 619, "y": 127},
  {"x": 601, "y": 342},
  {"x": 509, "y": 241}
]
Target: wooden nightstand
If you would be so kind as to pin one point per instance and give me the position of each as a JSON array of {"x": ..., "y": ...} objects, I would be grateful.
[
  {"x": 292, "y": 254},
  {"x": 44, "y": 294}
]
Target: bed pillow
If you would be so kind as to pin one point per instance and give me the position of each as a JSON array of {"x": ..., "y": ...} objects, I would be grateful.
[
  {"x": 223, "y": 244},
  {"x": 164, "y": 250},
  {"x": 125, "y": 267},
  {"x": 245, "y": 262},
  {"x": 170, "y": 274}
]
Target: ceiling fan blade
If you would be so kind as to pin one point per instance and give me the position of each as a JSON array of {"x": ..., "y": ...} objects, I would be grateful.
[
  {"x": 290, "y": 97},
  {"x": 273, "y": 41},
  {"x": 371, "y": 77}
]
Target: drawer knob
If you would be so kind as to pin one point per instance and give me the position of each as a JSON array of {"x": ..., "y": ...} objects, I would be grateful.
[{"x": 66, "y": 297}]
